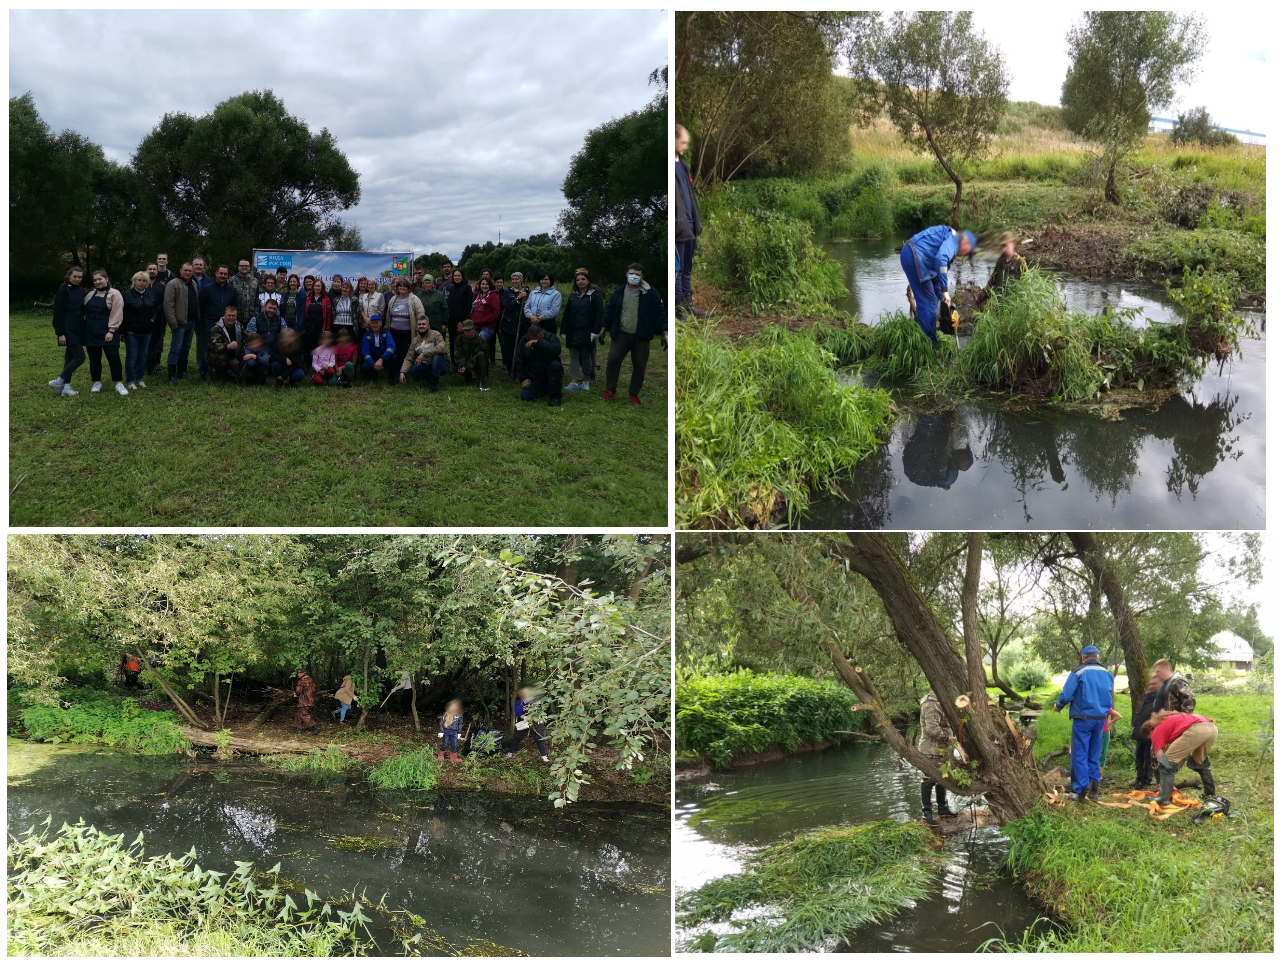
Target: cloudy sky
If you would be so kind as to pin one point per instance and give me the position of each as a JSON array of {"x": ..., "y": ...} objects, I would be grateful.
[{"x": 452, "y": 118}]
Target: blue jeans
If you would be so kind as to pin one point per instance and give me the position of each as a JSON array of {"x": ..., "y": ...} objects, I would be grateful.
[
  {"x": 925, "y": 292},
  {"x": 1086, "y": 750},
  {"x": 684, "y": 276},
  {"x": 136, "y": 347},
  {"x": 436, "y": 369},
  {"x": 450, "y": 742},
  {"x": 368, "y": 371},
  {"x": 342, "y": 711},
  {"x": 487, "y": 333},
  {"x": 180, "y": 344},
  {"x": 296, "y": 374}
]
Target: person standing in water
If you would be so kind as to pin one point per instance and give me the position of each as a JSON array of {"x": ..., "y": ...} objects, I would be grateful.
[{"x": 925, "y": 260}]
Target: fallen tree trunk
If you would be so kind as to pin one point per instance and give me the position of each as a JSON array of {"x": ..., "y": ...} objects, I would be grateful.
[{"x": 202, "y": 738}]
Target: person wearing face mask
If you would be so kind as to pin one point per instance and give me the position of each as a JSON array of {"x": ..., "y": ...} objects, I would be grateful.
[
  {"x": 543, "y": 305},
  {"x": 633, "y": 317}
]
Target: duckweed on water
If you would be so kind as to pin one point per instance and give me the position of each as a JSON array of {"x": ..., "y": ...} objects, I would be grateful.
[{"x": 805, "y": 894}]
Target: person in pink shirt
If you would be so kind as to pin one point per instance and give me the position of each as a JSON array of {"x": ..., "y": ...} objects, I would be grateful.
[
  {"x": 323, "y": 360},
  {"x": 1176, "y": 737}
]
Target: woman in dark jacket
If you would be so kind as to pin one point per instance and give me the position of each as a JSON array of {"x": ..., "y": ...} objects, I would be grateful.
[
  {"x": 139, "y": 311},
  {"x": 103, "y": 318},
  {"x": 316, "y": 317},
  {"x": 68, "y": 324},
  {"x": 460, "y": 301},
  {"x": 580, "y": 319}
]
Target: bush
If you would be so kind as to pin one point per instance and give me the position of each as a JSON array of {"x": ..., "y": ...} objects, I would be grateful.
[
  {"x": 770, "y": 260},
  {"x": 148, "y": 732},
  {"x": 1195, "y": 126},
  {"x": 745, "y": 712},
  {"x": 1029, "y": 674},
  {"x": 1168, "y": 253},
  {"x": 769, "y": 419},
  {"x": 415, "y": 769}
]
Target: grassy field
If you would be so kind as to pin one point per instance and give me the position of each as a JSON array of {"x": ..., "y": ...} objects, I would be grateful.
[
  {"x": 370, "y": 456},
  {"x": 1124, "y": 882}
]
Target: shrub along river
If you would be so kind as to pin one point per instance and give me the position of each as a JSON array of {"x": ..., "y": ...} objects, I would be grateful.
[
  {"x": 721, "y": 819},
  {"x": 1194, "y": 462},
  {"x": 592, "y": 880}
]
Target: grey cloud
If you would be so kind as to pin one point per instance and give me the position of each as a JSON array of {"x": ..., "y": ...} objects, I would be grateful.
[{"x": 451, "y": 117}]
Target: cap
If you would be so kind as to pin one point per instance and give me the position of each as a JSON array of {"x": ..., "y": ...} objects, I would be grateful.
[
  {"x": 973, "y": 242},
  {"x": 376, "y": 316},
  {"x": 1088, "y": 651},
  {"x": 468, "y": 325},
  {"x": 428, "y": 278}
]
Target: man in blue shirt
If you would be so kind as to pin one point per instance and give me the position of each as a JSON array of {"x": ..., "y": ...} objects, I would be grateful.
[
  {"x": 925, "y": 260},
  {"x": 1089, "y": 691},
  {"x": 688, "y": 228}
]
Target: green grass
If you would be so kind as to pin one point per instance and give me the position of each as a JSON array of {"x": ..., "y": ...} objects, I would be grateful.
[
  {"x": 770, "y": 419},
  {"x": 329, "y": 760},
  {"x": 805, "y": 894},
  {"x": 1123, "y": 882},
  {"x": 149, "y": 732},
  {"x": 370, "y": 456},
  {"x": 412, "y": 769},
  {"x": 725, "y": 715}
]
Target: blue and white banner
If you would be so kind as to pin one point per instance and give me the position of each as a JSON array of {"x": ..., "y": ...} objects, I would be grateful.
[{"x": 350, "y": 265}]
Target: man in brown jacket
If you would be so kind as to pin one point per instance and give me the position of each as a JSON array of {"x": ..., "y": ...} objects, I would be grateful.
[
  {"x": 305, "y": 688},
  {"x": 182, "y": 314},
  {"x": 935, "y": 741}
]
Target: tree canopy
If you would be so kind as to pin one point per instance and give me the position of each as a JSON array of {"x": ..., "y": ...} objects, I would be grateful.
[
  {"x": 584, "y": 617},
  {"x": 1124, "y": 64}
]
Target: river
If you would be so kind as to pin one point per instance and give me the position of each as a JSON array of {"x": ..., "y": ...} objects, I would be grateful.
[
  {"x": 1195, "y": 462},
  {"x": 592, "y": 880},
  {"x": 720, "y": 819}
]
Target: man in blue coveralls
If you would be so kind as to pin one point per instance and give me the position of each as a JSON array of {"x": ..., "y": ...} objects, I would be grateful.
[
  {"x": 1089, "y": 691},
  {"x": 925, "y": 260}
]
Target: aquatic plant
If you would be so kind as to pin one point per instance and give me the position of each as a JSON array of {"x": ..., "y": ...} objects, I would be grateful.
[
  {"x": 150, "y": 732},
  {"x": 329, "y": 760},
  {"x": 803, "y": 895},
  {"x": 412, "y": 769},
  {"x": 725, "y": 715},
  {"x": 900, "y": 348},
  {"x": 758, "y": 427}
]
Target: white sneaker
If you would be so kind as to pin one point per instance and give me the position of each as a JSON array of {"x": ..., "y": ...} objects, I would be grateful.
[
  {"x": 68, "y": 392},
  {"x": 510, "y": 755},
  {"x": 141, "y": 385},
  {"x": 97, "y": 387},
  {"x": 546, "y": 759},
  {"x": 131, "y": 385},
  {"x": 122, "y": 389},
  {"x": 57, "y": 383}
]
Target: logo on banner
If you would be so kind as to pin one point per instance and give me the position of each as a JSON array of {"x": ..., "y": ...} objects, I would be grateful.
[
  {"x": 271, "y": 261},
  {"x": 399, "y": 265}
]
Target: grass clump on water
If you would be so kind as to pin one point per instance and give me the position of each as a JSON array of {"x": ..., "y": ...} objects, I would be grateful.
[
  {"x": 758, "y": 427},
  {"x": 413, "y": 769},
  {"x": 124, "y": 725},
  {"x": 329, "y": 760},
  {"x": 82, "y": 892},
  {"x": 805, "y": 894}
]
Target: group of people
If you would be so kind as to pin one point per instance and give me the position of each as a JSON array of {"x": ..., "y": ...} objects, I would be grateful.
[
  {"x": 1167, "y": 731},
  {"x": 450, "y": 729},
  {"x": 251, "y": 328}
]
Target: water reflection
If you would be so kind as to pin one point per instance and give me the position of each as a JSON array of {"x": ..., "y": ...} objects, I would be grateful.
[{"x": 1195, "y": 462}]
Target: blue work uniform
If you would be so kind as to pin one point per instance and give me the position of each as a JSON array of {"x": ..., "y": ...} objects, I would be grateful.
[
  {"x": 1089, "y": 691},
  {"x": 925, "y": 260}
]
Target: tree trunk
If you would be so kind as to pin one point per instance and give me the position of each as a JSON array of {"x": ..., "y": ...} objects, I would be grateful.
[
  {"x": 996, "y": 680},
  {"x": 1004, "y": 775},
  {"x": 183, "y": 708},
  {"x": 364, "y": 706},
  {"x": 244, "y": 745},
  {"x": 955, "y": 202},
  {"x": 634, "y": 593},
  {"x": 1113, "y": 195},
  {"x": 571, "y": 572},
  {"x": 1135, "y": 658},
  {"x": 413, "y": 702},
  {"x": 217, "y": 711}
]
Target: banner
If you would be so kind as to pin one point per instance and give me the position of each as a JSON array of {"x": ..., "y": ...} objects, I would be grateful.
[{"x": 349, "y": 264}]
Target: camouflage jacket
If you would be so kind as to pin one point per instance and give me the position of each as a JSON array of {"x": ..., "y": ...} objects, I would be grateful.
[
  {"x": 935, "y": 731},
  {"x": 219, "y": 336},
  {"x": 467, "y": 348},
  {"x": 1004, "y": 271},
  {"x": 246, "y": 295},
  {"x": 1175, "y": 694}
]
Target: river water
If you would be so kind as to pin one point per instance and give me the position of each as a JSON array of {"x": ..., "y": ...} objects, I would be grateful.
[
  {"x": 1196, "y": 462},
  {"x": 593, "y": 880},
  {"x": 719, "y": 820}
]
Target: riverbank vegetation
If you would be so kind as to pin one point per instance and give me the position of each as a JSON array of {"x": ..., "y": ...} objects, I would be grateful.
[
  {"x": 801, "y": 896},
  {"x": 985, "y": 621},
  {"x": 220, "y": 624}
]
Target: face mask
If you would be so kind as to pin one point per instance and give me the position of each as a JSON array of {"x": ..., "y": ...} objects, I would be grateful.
[{"x": 633, "y": 279}]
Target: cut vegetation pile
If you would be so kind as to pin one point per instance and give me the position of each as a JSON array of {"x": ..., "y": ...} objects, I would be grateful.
[{"x": 804, "y": 895}]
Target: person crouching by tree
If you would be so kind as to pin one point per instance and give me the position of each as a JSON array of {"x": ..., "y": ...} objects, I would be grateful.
[
  {"x": 1142, "y": 759},
  {"x": 634, "y": 316},
  {"x": 132, "y": 667},
  {"x": 526, "y": 697},
  {"x": 1176, "y": 737},
  {"x": 450, "y": 728},
  {"x": 346, "y": 696},
  {"x": 1010, "y": 266},
  {"x": 305, "y": 688},
  {"x": 935, "y": 741},
  {"x": 538, "y": 366},
  {"x": 472, "y": 355},
  {"x": 925, "y": 260},
  {"x": 1089, "y": 691},
  {"x": 426, "y": 359}
]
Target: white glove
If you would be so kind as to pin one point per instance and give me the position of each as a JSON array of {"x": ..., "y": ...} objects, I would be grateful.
[
  {"x": 441, "y": 735},
  {"x": 593, "y": 337}
]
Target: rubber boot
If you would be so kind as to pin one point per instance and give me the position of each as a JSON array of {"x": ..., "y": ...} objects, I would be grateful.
[
  {"x": 1093, "y": 790},
  {"x": 1168, "y": 772},
  {"x": 453, "y": 756},
  {"x": 926, "y": 803},
  {"x": 1206, "y": 776},
  {"x": 1082, "y": 796},
  {"x": 943, "y": 809},
  {"x": 682, "y": 312},
  {"x": 441, "y": 755},
  {"x": 173, "y": 374},
  {"x": 688, "y": 305}
]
